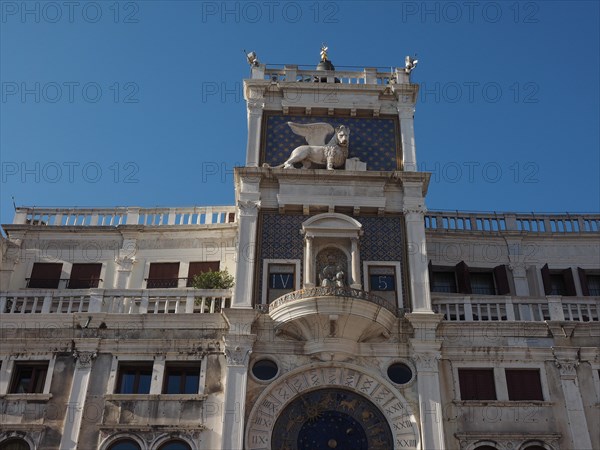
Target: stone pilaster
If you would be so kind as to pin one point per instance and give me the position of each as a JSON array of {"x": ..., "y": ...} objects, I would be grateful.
[
  {"x": 426, "y": 353},
  {"x": 246, "y": 251},
  {"x": 255, "y": 106},
  {"x": 407, "y": 130},
  {"x": 237, "y": 354},
  {"x": 567, "y": 360},
  {"x": 76, "y": 403},
  {"x": 417, "y": 258}
]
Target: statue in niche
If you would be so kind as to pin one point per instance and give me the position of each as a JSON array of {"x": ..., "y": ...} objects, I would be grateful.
[
  {"x": 333, "y": 154},
  {"x": 332, "y": 273}
]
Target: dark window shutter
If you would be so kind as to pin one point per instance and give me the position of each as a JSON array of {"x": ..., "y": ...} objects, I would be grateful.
[
  {"x": 546, "y": 279},
  {"x": 85, "y": 276},
  {"x": 196, "y": 268},
  {"x": 430, "y": 273},
  {"x": 163, "y": 275},
  {"x": 462, "y": 278},
  {"x": 45, "y": 275},
  {"x": 583, "y": 281},
  {"x": 524, "y": 384},
  {"x": 569, "y": 282},
  {"x": 501, "y": 277},
  {"x": 477, "y": 384}
]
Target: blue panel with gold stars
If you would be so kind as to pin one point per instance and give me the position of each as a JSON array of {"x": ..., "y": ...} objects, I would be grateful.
[{"x": 375, "y": 141}]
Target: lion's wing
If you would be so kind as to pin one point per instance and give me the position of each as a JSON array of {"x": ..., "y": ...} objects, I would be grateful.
[{"x": 314, "y": 133}]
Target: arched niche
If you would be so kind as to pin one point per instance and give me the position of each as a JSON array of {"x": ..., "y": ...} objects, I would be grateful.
[{"x": 337, "y": 232}]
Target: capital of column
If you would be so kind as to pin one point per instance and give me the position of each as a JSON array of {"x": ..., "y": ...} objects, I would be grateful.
[
  {"x": 84, "y": 359},
  {"x": 567, "y": 360},
  {"x": 248, "y": 207},
  {"x": 405, "y": 111},
  {"x": 426, "y": 354},
  {"x": 415, "y": 209},
  {"x": 238, "y": 349},
  {"x": 255, "y": 107},
  {"x": 518, "y": 269}
]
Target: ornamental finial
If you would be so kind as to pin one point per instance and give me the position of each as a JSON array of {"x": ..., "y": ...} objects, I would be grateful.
[{"x": 324, "y": 49}]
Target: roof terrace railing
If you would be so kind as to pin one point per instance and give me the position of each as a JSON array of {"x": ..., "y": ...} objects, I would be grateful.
[
  {"x": 499, "y": 222},
  {"x": 206, "y": 215}
]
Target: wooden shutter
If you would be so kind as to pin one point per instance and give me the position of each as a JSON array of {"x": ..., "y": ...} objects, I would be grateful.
[
  {"x": 462, "y": 278},
  {"x": 501, "y": 277},
  {"x": 524, "y": 384},
  {"x": 569, "y": 282},
  {"x": 196, "y": 268},
  {"x": 583, "y": 281},
  {"x": 163, "y": 275},
  {"x": 546, "y": 280},
  {"x": 45, "y": 275},
  {"x": 477, "y": 384},
  {"x": 84, "y": 276}
]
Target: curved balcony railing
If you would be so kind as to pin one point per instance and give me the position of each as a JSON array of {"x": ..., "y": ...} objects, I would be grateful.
[{"x": 346, "y": 292}]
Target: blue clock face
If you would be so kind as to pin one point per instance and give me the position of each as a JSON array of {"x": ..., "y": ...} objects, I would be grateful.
[{"x": 331, "y": 419}]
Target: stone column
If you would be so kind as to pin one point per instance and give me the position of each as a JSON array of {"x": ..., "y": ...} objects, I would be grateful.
[
  {"x": 567, "y": 360},
  {"x": 309, "y": 265},
  {"x": 356, "y": 284},
  {"x": 520, "y": 278},
  {"x": 255, "y": 105},
  {"x": 125, "y": 261},
  {"x": 77, "y": 396},
  {"x": 426, "y": 352},
  {"x": 246, "y": 251},
  {"x": 417, "y": 258},
  {"x": 237, "y": 354},
  {"x": 407, "y": 132}
]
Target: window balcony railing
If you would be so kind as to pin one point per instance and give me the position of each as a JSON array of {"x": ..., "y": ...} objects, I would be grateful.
[
  {"x": 116, "y": 301},
  {"x": 461, "y": 308}
]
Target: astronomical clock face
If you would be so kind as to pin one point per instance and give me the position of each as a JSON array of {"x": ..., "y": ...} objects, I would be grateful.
[{"x": 331, "y": 419}]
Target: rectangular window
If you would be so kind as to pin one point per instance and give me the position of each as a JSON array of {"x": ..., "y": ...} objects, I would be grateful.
[
  {"x": 196, "y": 268},
  {"x": 163, "y": 275},
  {"x": 382, "y": 282},
  {"x": 29, "y": 378},
  {"x": 280, "y": 281},
  {"x": 45, "y": 275},
  {"x": 482, "y": 283},
  {"x": 134, "y": 378},
  {"x": 590, "y": 282},
  {"x": 443, "y": 282},
  {"x": 558, "y": 282},
  {"x": 593, "y": 284},
  {"x": 181, "y": 379},
  {"x": 85, "y": 276},
  {"x": 477, "y": 384},
  {"x": 524, "y": 384}
]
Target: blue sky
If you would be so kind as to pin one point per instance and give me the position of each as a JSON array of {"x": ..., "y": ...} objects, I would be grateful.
[{"x": 139, "y": 103}]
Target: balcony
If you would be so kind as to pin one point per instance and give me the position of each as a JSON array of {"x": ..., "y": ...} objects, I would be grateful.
[
  {"x": 115, "y": 301},
  {"x": 461, "y": 308},
  {"x": 331, "y": 318}
]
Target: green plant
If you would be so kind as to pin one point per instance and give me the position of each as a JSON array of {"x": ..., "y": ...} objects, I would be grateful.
[{"x": 213, "y": 280}]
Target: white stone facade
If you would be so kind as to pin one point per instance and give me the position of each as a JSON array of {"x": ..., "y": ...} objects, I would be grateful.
[{"x": 434, "y": 330}]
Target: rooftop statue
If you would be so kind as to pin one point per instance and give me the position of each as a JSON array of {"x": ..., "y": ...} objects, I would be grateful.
[
  {"x": 324, "y": 53},
  {"x": 332, "y": 155},
  {"x": 409, "y": 64}
]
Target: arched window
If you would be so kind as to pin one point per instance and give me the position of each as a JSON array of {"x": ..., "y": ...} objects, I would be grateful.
[
  {"x": 485, "y": 447},
  {"x": 124, "y": 444},
  {"x": 175, "y": 445},
  {"x": 14, "y": 444},
  {"x": 534, "y": 447}
]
